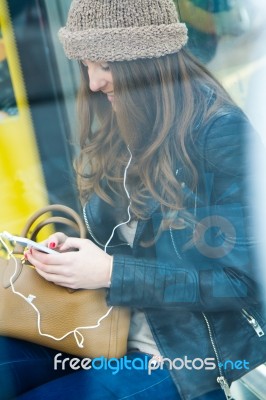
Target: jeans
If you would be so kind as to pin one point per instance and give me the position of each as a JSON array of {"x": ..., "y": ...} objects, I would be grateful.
[{"x": 27, "y": 372}]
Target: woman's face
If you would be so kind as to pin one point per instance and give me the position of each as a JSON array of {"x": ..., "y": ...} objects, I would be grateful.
[{"x": 100, "y": 78}]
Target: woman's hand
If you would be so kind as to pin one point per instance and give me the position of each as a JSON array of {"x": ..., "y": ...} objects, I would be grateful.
[
  {"x": 55, "y": 241},
  {"x": 79, "y": 264}
]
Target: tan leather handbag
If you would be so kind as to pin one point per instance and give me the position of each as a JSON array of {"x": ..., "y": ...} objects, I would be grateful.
[{"x": 78, "y": 322}]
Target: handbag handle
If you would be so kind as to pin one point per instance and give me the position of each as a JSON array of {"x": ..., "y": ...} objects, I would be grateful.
[
  {"x": 73, "y": 219},
  {"x": 52, "y": 220}
]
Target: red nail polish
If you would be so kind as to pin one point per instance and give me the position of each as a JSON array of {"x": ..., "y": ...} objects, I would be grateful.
[{"x": 52, "y": 245}]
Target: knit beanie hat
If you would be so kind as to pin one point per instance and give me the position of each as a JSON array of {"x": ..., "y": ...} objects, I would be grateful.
[{"x": 117, "y": 30}]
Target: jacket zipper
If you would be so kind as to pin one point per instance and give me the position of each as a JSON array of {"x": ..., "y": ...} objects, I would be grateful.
[
  {"x": 92, "y": 235},
  {"x": 173, "y": 242},
  {"x": 253, "y": 322},
  {"x": 221, "y": 379}
]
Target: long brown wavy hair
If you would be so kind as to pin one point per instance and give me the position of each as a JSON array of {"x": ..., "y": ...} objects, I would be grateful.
[{"x": 158, "y": 103}]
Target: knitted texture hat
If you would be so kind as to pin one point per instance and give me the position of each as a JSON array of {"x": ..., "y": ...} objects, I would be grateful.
[{"x": 117, "y": 30}]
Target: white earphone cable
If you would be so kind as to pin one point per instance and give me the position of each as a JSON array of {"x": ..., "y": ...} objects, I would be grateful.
[{"x": 129, "y": 205}]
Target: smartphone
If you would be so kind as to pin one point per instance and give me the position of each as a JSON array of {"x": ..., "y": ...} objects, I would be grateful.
[{"x": 25, "y": 242}]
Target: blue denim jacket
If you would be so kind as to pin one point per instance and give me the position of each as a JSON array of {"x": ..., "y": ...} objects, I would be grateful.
[{"x": 201, "y": 297}]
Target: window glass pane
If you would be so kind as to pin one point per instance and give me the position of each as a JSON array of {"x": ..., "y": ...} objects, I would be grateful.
[{"x": 228, "y": 36}]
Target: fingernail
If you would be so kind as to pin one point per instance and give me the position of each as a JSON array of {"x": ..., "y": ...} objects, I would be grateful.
[{"x": 52, "y": 245}]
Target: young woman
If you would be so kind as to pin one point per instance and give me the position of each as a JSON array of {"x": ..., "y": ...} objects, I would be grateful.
[{"x": 163, "y": 180}]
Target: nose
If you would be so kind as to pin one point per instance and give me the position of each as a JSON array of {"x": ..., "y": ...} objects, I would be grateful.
[{"x": 96, "y": 78}]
